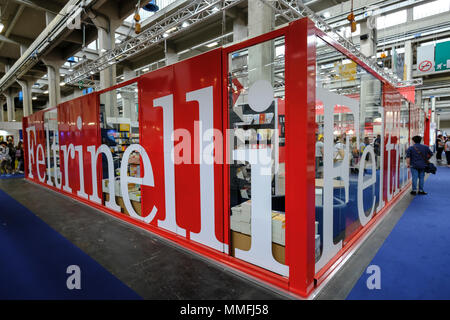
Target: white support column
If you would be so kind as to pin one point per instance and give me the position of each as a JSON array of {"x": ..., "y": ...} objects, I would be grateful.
[
  {"x": 128, "y": 98},
  {"x": 106, "y": 41},
  {"x": 369, "y": 45},
  {"x": 11, "y": 110},
  {"x": 53, "y": 75},
  {"x": 128, "y": 105},
  {"x": 426, "y": 105},
  {"x": 240, "y": 29},
  {"x": 128, "y": 74},
  {"x": 27, "y": 97},
  {"x": 171, "y": 54},
  {"x": 407, "y": 75},
  {"x": 2, "y": 102},
  {"x": 260, "y": 20},
  {"x": 433, "y": 122},
  {"x": 418, "y": 97},
  {"x": 433, "y": 109},
  {"x": 54, "y": 79},
  {"x": 369, "y": 88}
]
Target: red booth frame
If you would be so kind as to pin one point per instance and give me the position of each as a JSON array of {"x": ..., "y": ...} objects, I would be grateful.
[{"x": 300, "y": 78}]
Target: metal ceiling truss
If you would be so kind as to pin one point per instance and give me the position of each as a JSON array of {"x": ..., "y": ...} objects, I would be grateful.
[
  {"x": 294, "y": 9},
  {"x": 198, "y": 10},
  {"x": 181, "y": 20}
]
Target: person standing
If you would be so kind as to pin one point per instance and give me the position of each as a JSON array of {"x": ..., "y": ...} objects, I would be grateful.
[
  {"x": 12, "y": 154},
  {"x": 319, "y": 157},
  {"x": 439, "y": 147},
  {"x": 5, "y": 159},
  {"x": 416, "y": 159},
  {"x": 20, "y": 158},
  {"x": 447, "y": 152}
]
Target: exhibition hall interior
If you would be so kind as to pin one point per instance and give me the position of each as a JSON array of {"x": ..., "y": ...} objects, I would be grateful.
[{"x": 224, "y": 150}]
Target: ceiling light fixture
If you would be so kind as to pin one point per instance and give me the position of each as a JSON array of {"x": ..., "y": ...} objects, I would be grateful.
[{"x": 212, "y": 44}]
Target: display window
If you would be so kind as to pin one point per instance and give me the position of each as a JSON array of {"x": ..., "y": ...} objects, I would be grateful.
[
  {"x": 119, "y": 129},
  {"x": 256, "y": 81},
  {"x": 52, "y": 151},
  {"x": 362, "y": 133},
  {"x": 404, "y": 141}
]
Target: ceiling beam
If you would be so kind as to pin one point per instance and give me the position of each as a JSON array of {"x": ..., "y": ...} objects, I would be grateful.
[
  {"x": 43, "y": 5},
  {"x": 11, "y": 24}
]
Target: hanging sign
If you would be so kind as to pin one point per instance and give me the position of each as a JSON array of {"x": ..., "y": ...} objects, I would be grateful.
[{"x": 425, "y": 59}]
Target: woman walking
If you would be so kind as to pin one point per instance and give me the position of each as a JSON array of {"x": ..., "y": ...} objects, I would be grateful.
[{"x": 447, "y": 152}]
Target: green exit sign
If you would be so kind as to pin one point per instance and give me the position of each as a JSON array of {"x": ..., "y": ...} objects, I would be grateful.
[{"x": 442, "y": 58}]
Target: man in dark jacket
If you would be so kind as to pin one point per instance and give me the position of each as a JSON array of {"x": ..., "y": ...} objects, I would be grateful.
[
  {"x": 12, "y": 154},
  {"x": 416, "y": 158}
]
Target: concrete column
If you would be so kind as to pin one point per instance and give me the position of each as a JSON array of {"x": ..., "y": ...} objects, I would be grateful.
[
  {"x": 10, "y": 108},
  {"x": 407, "y": 75},
  {"x": 368, "y": 45},
  {"x": 409, "y": 14},
  {"x": 170, "y": 52},
  {"x": 2, "y": 102},
  {"x": 128, "y": 104},
  {"x": 394, "y": 60},
  {"x": 128, "y": 97},
  {"x": 240, "y": 30},
  {"x": 27, "y": 97},
  {"x": 106, "y": 42},
  {"x": 106, "y": 27},
  {"x": 128, "y": 74},
  {"x": 370, "y": 88},
  {"x": 418, "y": 97},
  {"x": 426, "y": 105},
  {"x": 260, "y": 18},
  {"x": 433, "y": 109},
  {"x": 54, "y": 80},
  {"x": 433, "y": 122},
  {"x": 260, "y": 57}
]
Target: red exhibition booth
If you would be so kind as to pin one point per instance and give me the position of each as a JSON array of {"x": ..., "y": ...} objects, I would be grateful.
[{"x": 226, "y": 154}]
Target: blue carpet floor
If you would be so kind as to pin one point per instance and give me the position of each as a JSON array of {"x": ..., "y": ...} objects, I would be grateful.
[
  {"x": 34, "y": 259},
  {"x": 12, "y": 176},
  {"x": 415, "y": 258}
]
